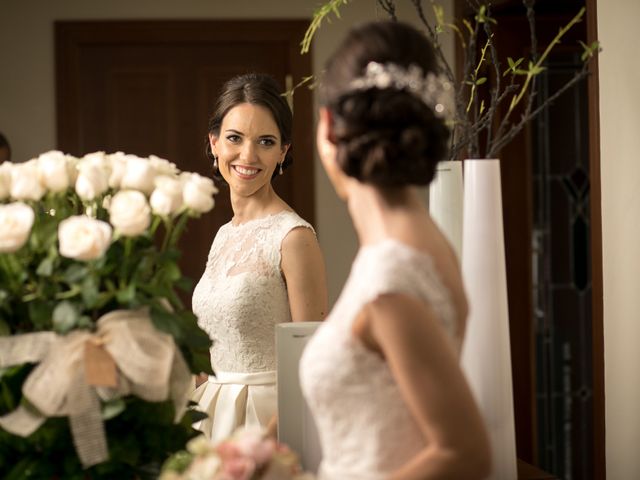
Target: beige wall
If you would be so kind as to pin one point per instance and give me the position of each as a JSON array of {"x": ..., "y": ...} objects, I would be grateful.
[
  {"x": 620, "y": 169},
  {"x": 27, "y": 104}
]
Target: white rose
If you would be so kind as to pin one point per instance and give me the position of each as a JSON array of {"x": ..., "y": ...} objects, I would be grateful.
[
  {"x": 72, "y": 168},
  {"x": 198, "y": 192},
  {"x": 118, "y": 163},
  {"x": 139, "y": 175},
  {"x": 167, "y": 196},
  {"x": 83, "y": 238},
  {"x": 16, "y": 220},
  {"x": 163, "y": 167},
  {"x": 130, "y": 213},
  {"x": 25, "y": 181},
  {"x": 93, "y": 176},
  {"x": 54, "y": 171},
  {"x": 5, "y": 179}
]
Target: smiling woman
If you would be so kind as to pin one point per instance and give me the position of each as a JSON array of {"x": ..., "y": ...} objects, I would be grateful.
[{"x": 265, "y": 266}]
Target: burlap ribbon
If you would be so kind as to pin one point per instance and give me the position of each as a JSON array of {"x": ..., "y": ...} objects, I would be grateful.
[{"x": 149, "y": 365}]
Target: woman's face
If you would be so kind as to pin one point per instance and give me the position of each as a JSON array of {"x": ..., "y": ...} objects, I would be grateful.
[{"x": 249, "y": 148}]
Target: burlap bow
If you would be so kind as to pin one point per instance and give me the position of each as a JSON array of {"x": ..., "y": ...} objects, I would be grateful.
[{"x": 149, "y": 365}]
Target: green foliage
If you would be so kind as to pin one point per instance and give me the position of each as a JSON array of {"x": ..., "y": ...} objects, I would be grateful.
[
  {"x": 321, "y": 13},
  {"x": 42, "y": 291},
  {"x": 141, "y": 437}
]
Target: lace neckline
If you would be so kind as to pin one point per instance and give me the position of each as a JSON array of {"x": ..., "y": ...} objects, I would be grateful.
[{"x": 254, "y": 221}]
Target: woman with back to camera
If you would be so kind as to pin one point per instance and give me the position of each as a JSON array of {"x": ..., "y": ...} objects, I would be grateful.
[
  {"x": 382, "y": 374},
  {"x": 264, "y": 267}
]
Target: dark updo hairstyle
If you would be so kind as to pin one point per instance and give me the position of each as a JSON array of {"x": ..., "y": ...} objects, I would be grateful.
[
  {"x": 256, "y": 89},
  {"x": 384, "y": 137}
]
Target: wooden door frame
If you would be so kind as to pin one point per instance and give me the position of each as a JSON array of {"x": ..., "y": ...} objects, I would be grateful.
[
  {"x": 597, "y": 308},
  {"x": 70, "y": 35}
]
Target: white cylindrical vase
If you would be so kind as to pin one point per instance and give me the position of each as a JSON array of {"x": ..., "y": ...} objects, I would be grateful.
[
  {"x": 486, "y": 352},
  {"x": 445, "y": 201}
]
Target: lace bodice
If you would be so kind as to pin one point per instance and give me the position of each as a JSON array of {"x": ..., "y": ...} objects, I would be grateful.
[
  {"x": 366, "y": 429},
  {"x": 242, "y": 295}
]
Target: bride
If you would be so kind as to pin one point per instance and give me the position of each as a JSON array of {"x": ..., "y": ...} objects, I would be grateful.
[
  {"x": 265, "y": 266},
  {"x": 382, "y": 374}
]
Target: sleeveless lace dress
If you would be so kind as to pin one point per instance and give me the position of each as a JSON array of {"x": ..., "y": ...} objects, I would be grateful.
[
  {"x": 238, "y": 301},
  {"x": 366, "y": 430}
]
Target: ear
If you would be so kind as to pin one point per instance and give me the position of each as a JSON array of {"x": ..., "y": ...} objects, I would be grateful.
[
  {"x": 212, "y": 142},
  {"x": 285, "y": 149},
  {"x": 326, "y": 148}
]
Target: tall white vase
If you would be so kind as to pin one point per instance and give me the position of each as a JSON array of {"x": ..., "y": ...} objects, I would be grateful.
[
  {"x": 486, "y": 354},
  {"x": 445, "y": 201}
]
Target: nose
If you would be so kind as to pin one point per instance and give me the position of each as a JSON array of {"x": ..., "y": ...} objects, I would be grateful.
[{"x": 248, "y": 152}]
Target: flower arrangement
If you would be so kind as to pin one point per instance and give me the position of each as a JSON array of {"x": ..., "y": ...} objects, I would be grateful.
[
  {"x": 248, "y": 454},
  {"x": 97, "y": 350}
]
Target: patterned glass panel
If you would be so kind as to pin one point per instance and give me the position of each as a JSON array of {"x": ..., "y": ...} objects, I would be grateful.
[{"x": 562, "y": 277}]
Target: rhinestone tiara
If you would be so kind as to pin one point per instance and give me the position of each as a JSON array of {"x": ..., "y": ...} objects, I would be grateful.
[{"x": 435, "y": 91}]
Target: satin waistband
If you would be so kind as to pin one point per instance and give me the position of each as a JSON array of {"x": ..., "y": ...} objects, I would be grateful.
[{"x": 239, "y": 378}]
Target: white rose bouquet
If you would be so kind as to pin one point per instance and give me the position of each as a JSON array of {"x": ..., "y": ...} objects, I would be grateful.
[{"x": 96, "y": 349}]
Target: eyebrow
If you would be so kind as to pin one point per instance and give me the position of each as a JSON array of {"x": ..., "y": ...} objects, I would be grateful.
[{"x": 238, "y": 132}]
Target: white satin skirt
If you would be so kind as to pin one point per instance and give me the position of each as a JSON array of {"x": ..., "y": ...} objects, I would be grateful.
[{"x": 234, "y": 400}]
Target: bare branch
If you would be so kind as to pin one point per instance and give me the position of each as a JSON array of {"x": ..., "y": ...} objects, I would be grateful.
[
  {"x": 531, "y": 20},
  {"x": 495, "y": 92},
  {"x": 389, "y": 6},
  {"x": 432, "y": 34},
  {"x": 515, "y": 129}
]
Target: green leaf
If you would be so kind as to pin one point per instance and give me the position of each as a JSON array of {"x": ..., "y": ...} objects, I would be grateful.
[
  {"x": 113, "y": 408},
  {"x": 40, "y": 313},
  {"x": 172, "y": 271},
  {"x": 185, "y": 284},
  {"x": 127, "y": 295},
  {"x": 45, "y": 269},
  {"x": 84, "y": 322},
  {"x": 4, "y": 328},
  {"x": 90, "y": 291},
  {"x": 481, "y": 80},
  {"x": 165, "y": 321},
  {"x": 75, "y": 273},
  {"x": 65, "y": 317},
  {"x": 178, "y": 462}
]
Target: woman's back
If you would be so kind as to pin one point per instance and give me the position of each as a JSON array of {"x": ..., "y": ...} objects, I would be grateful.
[{"x": 365, "y": 426}]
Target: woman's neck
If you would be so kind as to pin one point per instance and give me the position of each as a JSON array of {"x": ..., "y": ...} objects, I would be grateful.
[
  {"x": 378, "y": 215},
  {"x": 261, "y": 203}
]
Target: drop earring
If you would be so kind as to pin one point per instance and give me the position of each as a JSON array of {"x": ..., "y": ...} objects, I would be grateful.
[
  {"x": 281, "y": 167},
  {"x": 215, "y": 162}
]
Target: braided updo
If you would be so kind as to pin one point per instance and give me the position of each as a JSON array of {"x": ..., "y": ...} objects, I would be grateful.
[{"x": 384, "y": 136}]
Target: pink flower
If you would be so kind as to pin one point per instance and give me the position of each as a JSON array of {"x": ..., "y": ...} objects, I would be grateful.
[
  {"x": 238, "y": 468},
  {"x": 254, "y": 445},
  {"x": 228, "y": 450}
]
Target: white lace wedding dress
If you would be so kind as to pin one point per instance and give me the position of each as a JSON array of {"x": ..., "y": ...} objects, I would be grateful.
[
  {"x": 365, "y": 427},
  {"x": 238, "y": 301}
]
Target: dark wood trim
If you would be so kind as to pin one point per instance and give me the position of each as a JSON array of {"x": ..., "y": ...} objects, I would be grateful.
[{"x": 597, "y": 314}]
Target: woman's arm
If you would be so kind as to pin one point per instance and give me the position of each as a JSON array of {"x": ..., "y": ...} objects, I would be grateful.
[
  {"x": 422, "y": 359},
  {"x": 304, "y": 273}
]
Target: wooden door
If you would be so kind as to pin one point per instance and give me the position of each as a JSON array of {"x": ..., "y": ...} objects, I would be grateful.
[{"x": 148, "y": 87}]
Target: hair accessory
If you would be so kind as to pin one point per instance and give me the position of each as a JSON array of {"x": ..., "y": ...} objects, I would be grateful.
[
  {"x": 434, "y": 90},
  {"x": 281, "y": 168}
]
